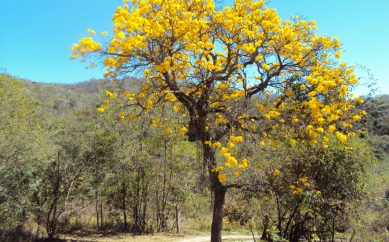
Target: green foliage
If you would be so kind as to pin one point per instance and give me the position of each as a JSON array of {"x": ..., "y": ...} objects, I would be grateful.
[
  {"x": 64, "y": 167},
  {"x": 21, "y": 146},
  {"x": 377, "y": 117},
  {"x": 314, "y": 190}
]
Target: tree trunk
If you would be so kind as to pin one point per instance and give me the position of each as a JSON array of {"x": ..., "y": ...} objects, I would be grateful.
[
  {"x": 178, "y": 219},
  {"x": 219, "y": 192},
  {"x": 265, "y": 234},
  {"x": 101, "y": 214},
  {"x": 97, "y": 210},
  {"x": 124, "y": 207},
  {"x": 51, "y": 224},
  {"x": 217, "y": 218},
  {"x": 333, "y": 230}
]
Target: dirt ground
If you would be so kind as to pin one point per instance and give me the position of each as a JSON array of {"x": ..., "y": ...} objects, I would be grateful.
[
  {"x": 151, "y": 238},
  {"x": 123, "y": 237}
]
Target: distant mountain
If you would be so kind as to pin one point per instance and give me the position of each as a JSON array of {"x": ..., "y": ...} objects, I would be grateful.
[{"x": 63, "y": 98}]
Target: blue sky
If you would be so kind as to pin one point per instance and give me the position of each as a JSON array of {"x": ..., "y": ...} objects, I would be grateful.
[{"x": 36, "y": 36}]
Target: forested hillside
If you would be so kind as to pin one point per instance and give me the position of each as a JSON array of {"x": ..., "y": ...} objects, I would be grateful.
[{"x": 66, "y": 168}]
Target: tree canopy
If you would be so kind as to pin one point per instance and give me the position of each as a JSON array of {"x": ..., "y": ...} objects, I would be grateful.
[{"x": 213, "y": 62}]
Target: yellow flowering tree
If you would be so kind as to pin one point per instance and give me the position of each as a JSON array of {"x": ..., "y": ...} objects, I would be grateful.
[{"x": 238, "y": 73}]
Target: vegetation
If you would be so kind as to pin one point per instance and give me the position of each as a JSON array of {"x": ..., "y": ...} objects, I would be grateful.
[
  {"x": 239, "y": 117},
  {"x": 75, "y": 169}
]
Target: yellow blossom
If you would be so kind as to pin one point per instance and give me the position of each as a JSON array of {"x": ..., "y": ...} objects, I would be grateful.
[
  {"x": 276, "y": 173},
  {"x": 121, "y": 115},
  {"x": 217, "y": 169},
  {"x": 265, "y": 67},
  {"x": 341, "y": 136},
  {"x": 183, "y": 130},
  {"x": 236, "y": 139},
  {"x": 222, "y": 178},
  {"x": 298, "y": 191},
  {"x": 155, "y": 122},
  {"x": 168, "y": 130},
  {"x": 331, "y": 128},
  {"x": 91, "y": 32},
  {"x": 120, "y": 35},
  {"x": 110, "y": 94},
  {"x": 216, "y": 145}
]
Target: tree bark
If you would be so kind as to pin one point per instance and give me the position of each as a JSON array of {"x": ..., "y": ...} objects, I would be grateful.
[
  {"x": 124, "y": 194},
  {"x": 265, "y": 234},
  {"x": 101, "y": 214},
  {"x": 219, "y": 192},
  {"x": 97, "y": 210},
  {"x": 218, "y": 203},
  {"x": 178, "y": 219}
]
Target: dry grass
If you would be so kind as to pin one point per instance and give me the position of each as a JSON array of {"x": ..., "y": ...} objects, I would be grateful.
[
  {"x": 156, "y": 237},
  {"x": 123, "y": 237}
]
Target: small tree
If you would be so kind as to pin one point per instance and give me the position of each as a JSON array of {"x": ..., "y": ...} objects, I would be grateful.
[
  {"x": 314, "y": 190},
  {"x": 210, "y": 64}
]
